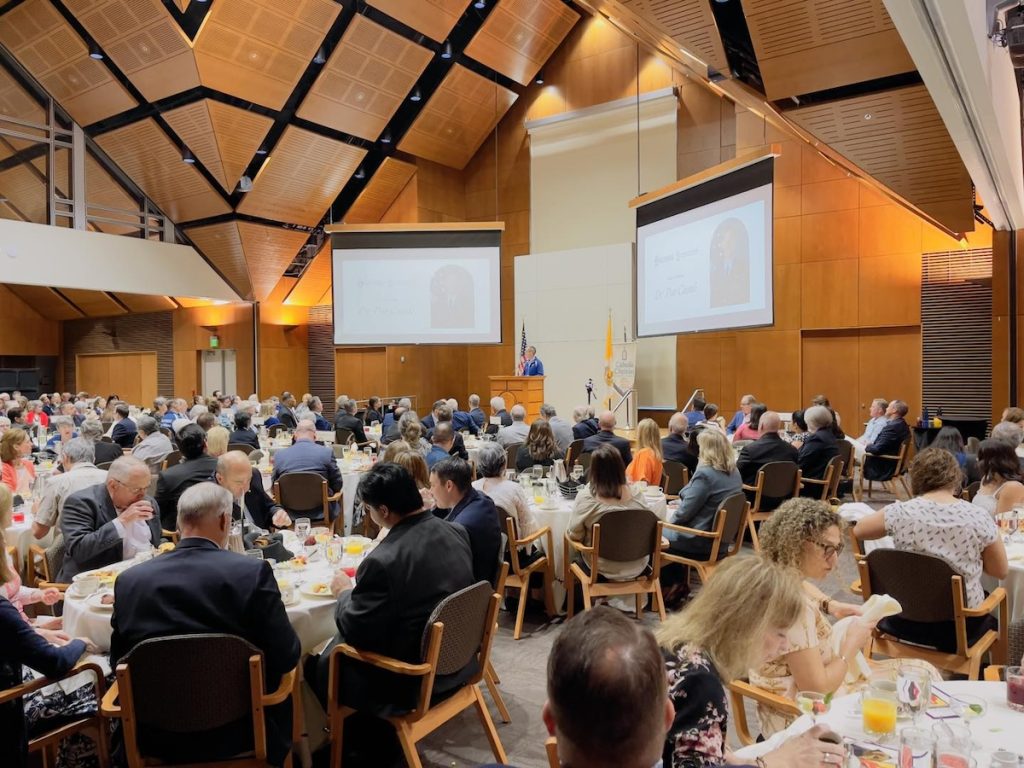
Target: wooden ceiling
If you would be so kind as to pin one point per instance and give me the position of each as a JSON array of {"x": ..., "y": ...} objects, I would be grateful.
[
  {"x": 690, "y": 23},
  {"x": 314, "y": 287},
  {"x": 294, "y": 96}
]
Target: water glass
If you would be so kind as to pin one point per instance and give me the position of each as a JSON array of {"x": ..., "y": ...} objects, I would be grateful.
[
  {"x": 255, "y": 552},
  {"x": 952, "y": 745},
  {"x": 1015, "y": 688},
  {"x": 302, "y": 527},
  {"x": 913, "y": 690},
  {"x": 537, "y": 471},
  {"x": 1004, "y": 758},
  {"x": 878, "y": 709},
  {"x": 334, "y": 552},
  {"x": 917, "y": 748},
  {"x": 1007, "y": 522},
  {"x": 287, "y": 591}
]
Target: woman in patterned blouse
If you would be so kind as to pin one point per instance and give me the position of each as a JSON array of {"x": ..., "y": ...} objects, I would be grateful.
[{"x": 739, "y": 620}]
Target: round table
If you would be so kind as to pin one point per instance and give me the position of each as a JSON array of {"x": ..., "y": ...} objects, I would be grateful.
[
  {"x": 1014, "y": 581},
  {"x": 998, "y": 728}
]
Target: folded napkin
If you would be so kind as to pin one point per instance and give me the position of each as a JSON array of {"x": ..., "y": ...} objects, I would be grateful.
[{"x": 876, "y": 608}]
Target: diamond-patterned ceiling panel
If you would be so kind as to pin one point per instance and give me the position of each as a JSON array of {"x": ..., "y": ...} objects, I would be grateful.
[
  {"x": 23, "y": 194},
  {"x": 222, "y": 245},
  {"x": 258, "y": 49},
  {"x": 378, "y": 195},
  {"x": 16, "y": 102},
  {"x": 93, "y": 303},
  {"x": 365, "y": 80},
  {"x": 138, "y": 302},
  {"x": 691, "y": 23},
  {"x": 46, "y": 302},
  {"x": 144, "y": 41},
  {"x": 269, "y": 251},
  {"x": 434, "y": 18},
  {"x": 520, "y": 35},
  {"x": 301, "y": 178},
  {"x": 56, "y": 56},
  {"x": 457, "y": 118}
]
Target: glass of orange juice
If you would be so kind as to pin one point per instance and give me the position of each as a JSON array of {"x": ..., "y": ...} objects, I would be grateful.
[
  {"x": 353, "y": 547},
  {"x": 879, "y": 707}
]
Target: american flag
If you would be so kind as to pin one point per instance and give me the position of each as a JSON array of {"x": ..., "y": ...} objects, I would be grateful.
[{"x": 522, "y": 353}]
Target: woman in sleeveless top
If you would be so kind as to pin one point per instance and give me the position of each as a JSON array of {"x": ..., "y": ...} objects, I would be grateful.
[{"x": 1001, "y": 489}]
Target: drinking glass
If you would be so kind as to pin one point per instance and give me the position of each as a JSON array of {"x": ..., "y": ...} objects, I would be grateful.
[
  {"x": 969, "y": 708},
  {"x": 1018, "y": 535},
  {"x": 577, "y": 471},
  {"x": 952, "y": 745},
  {"x": 917, "y": 747},
  {"x": 510, "y": 474},
  {"x": 1004, "y": 758},
  {"x": 538, "y": 492},
  {"x": 287, "y": 591},
  {"x": 1007, "y": 522},
  {"x": 913, "y": 689},
  {"x": 255, "y": 552},
  {"x": 335, "y": 550},
  {"x": 1015, "y": 688},
  {"x": 302, "y": 527},
  {"x": 537, "y": 471},
  {"x": 812, "y": 703},
  {"x": 878, "y": 709}
]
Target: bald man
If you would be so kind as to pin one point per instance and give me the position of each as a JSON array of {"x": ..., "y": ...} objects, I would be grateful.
[
  {"x": 606, "y": 434},
  {"x": 251, "y": 501},
  {"x": 306, "y": 456},
  {"x": 767, "y": 448},
  {"x": 675, "y": 446}
]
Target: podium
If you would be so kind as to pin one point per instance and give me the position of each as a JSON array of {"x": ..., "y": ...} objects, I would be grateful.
[{"x": 527, "y": 391}]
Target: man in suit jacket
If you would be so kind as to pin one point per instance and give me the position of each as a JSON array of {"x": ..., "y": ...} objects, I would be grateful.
[
  {"x": 430, "y": 420},
  {"x": 286, "y": 413},
  {"x": 306, "y": 456},
  {"x": 200, "y": 588},
  {"x": 888, "y": 443},
  {"x": 243, "y": 432},
  {"x": 767, "y": 448},
  {"x": 461, "y": 420},
  {"x": 420, "y": 562},
  {"x": 124, "y": 431},
  {"x": 450, "y": 485},
  {"x": 391, "y": 417},
  {"x": 109, "y": 522},
  {"x": 675, "y": 446},
  {"x": 498, "y": 410},
  {"x": 818, "y": 449},
  {"x": 476, "y": 413},
  {"x": 92, "y": 431},
  {"x": 252, "y": 503},
  {"x": 560, "y": 428},
  {"x": 584, "y": 425},
  {"x": 606, "y": 421},
  {"x": 196, "y": 467},
  {"x": 347, "y": 419},
  {"x": 457, "y": 446},
  {"x": 392, "y": 431},
  {"x": 517, "y": 431}
]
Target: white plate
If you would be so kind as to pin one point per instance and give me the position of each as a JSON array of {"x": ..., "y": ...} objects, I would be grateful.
[
  {"x": 94, "y": 603},
  {"x": 305, "y": 590}
]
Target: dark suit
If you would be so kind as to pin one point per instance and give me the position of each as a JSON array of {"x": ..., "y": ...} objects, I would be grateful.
[
  {"x": 307, "y": 456},
  {"x": 818, "y": 449},
  {"x": 201, "y": 589},
  {"x": 620, "y": 444},
  {"x": 287, "y": 417},
  {"x": 462, "y": 420},
  {"x": 174, "y": 481},
  {"x": 246, "y": 436},
  {"x": 428, "y": 422},
  {"x": 107, "y": 451},
  {"x": 506, "y": 421},
  {"x": 258, "y": 502},
  {"x": 421, "y": 561},
  {"x": 371, "y": 416},
  {"x": 478, "y": 417},
  {"x": 767, "y": 448},
  {"x": 585, "y": 429},
  {"x": 90, "y": 538},
  {"x": 677, "y": 448},
  {"x": 478, "y": 515},
  {"x": 390, "y": 434},
  {"x": 124, "y": 433},
  {"x": 888, "y": 443},
  {"x": 348, "y": 421}
]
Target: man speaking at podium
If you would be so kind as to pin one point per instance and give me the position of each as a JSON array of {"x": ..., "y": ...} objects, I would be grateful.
[{"x": 532, "y": 366}]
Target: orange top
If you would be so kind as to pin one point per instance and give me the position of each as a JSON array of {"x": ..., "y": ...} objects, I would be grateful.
[
  {"x": 10, "y": 473},
  {"x": 645, "y": 466}
]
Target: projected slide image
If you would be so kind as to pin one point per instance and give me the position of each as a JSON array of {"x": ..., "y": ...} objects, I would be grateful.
[
  {"x": 451, "y": 298},
  {"x": 730, "y": 263}
]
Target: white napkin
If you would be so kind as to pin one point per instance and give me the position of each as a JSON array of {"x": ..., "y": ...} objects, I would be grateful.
[{"x": 876, "y": 608}]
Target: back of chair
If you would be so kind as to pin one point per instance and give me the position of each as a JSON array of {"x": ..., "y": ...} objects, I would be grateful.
[
  {"x": 734, "y": 508},
  {"x": 106, "y": 438},
  {"x": 836, "y": 466},
  {"x": 676, "y": 473},
  {"x": 343, "y": 436},
  {"x": 628, "y": 534},
  {"x": 189, "y": 683},
  {"x": 904, "y": 458},
  {"x": 918, "y": 581},
  {"x": 301, "y": 490},
  {"x": 275, "y": 429},
  {"x": 972, "y": 490},
  {"x": 172, "y": 459},
  {"x": 104, "y": 465},
  {"x": 511, "y": 453},
  {"x": 585, "y": 463},
  {"x": 572, "y": 454},
  {"x": 243, "y": 447},
  {"x": 779, "y": 479},
  {"x": 463, "y": 615},
  {"x": 846, "y": 454},
  {"x": 54, "y": 556}
]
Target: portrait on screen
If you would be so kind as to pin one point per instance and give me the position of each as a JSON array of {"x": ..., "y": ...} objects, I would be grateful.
[
  {"x": 452, "y": 298},
  {"x": 730, "y": 264}
]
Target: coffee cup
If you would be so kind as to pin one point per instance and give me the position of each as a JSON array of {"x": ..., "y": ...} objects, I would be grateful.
[{"x": 85, "y": 584}]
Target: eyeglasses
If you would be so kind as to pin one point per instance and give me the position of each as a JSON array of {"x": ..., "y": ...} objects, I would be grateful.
[
  {"x": 134, "y": 491},
  {"x": 830, "y": 549}
]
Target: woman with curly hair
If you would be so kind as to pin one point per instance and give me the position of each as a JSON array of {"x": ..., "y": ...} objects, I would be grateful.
[
  {"x": 807, "y": 535},
  {"x": 540, "y": 447}
]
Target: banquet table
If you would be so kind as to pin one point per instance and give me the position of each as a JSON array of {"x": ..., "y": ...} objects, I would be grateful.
[{"x": 999, "y": 728}]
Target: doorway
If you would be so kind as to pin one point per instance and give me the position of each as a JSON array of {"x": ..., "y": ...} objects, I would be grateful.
[{"x": 218, "y": 370}]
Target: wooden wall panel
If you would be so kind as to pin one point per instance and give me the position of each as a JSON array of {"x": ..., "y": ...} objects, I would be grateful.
[
  {"x": 25, "y": 330},
  {"x": 890, "y": 290},
  {"x": 130, "y": 375},
  {"x": 114, "y": 336},
  {"x": 191, "y": 333},
  {"x": 890, "y": 366},
  {"x": 830, "y": 365},
  {"x": 829, "y": 294}
]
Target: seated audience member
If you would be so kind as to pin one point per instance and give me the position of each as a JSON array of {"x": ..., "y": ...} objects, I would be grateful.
[
  {"x": 606, "y": 436},
  {"x": 695, "y": 415},
  {"x": 498, "y": 412},
  {"x": 767, "y": 448},
  {"x": 36, "y": 416},
  {"x": 201, "y": 588},
  {"x": 508, "y": 495},
  {"x": 268, "y": 412},
  {"x": 606, "y": 491},
  {"x": 316, "y": 413},
  {"x": 11, "y": 587},
  {"x": 79, "y": 473},
  {"x": 153, "y": 446},
  {"x": 243, "y": 432},
  {"x": 748, "y": 429},
  {"x": 476, "y": 413},
  {"x": 1010, "y": 434},
  {"x": 217, "y": 441},
  {"x": 347, "y": 419},
  {"x": 647, "y": 461},
  {"x": 17, "y": 416},
  {"x": 390, "y": 418},
  {"x": 374, "y": 411},
  {"x": 428, "y": 421},
  {"x": 834, "y": 428},
  {"x": 124, "y": 430},
  {"x": 459, "y": 502},
  {"x": 517, "y": 431},
  {"x": 717, "y": 638},
  {"x": 391, "y": 432},
  {"x": 421, "y": 561},
  {"x": 47, "y": 406},
  {"x": 888, "y": 443},
  {"x": 206, "y": 420},
  {"x": 286, "y": 411},
  {"x": 304, "y": 455},
  {"x": 16, "y": 470},
  {"x": 742, "y": 415},
  {"x": 411, "y": 433},
  {"x": 460, "y": 419},
  {"x": 950, "y": 439},
  {"x": 92, "y": 431},
  {"x": 252, "y": 503},
  {"x": 441, "y": 440},
  {"x": 1015, "y": 416},
  {"x": 560, "y": 428},
  {"x": 197, "y": 465},
  {"x": 1001, "y": 488},
  {"x": 540, "y": 447},
  {"x": 159, "y": 408},
  {"x": 877, "y": 419},
  {"x": 443, "y": 415},
  {"x": 818, "y": 449},
  {"x": 5, "y": 424},
  {"x": 808, "y": 535},
  {"x": 584, "y": 425},
  {"x": 675, "y": 445},
  {"x": 176, "y": 410},
  {"x": 711, "y": 417},
  {"x": 402, "y": 455},
  {"x": 110, "y": 522},
  {"x": 938, "y": 522},
  {"x": 607, "y": 699},
  {"x": 65, "y": 427}
]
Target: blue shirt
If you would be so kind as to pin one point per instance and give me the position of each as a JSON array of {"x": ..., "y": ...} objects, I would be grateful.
[
  {"x": 533, "y": 367},
  {"x": 736, "y": 423},
  {"x": 462, "y": 420},
  {"x": 873, "y": 429},
  {"x": 693, "y": 418},
  {"x": 436, "y": 454}
]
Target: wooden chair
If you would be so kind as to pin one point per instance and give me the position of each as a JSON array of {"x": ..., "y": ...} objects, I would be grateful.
[
  {"x": 105, "y": 465},
  {"x": 971, "y": 491},
  {"x": 857, "y": 549},
  {"x": 218, "y": 679},
  {"x": 511, "y": 452},
  {"x": 915, "y": 580},
  {"x": 730, "y": 525},
  {"x": 584, "y": 460},
  {"x": 172, "y": 459},
  {"x": 172, "y": 536},
  {"x": 519, "y": 578},
  {"x": 274, "y": 430},
  {"x": 106, "y": 438},
  {"x": 44, "y": 563},
  {"x": 572, "y": 454},
  {"x": 551, "y": 750},
  {"x": 343, "y": 436},
  {"x": 675, "y": 477},
  {"x": 629, "y": 534},
  {"x": 847, "y": 454},
  {"x": 299, "y": 492},
  {"x": 775, "y": 480},
  {"x": 459, "y": 632},
  {"x": 243, "y": 447},
  {"x": 739, "y": 690},
  {"x": 898, "y": 472},
  {"x": 47, "y": 743},
  {"x": 12, "y": 552},
  {"x": 829, "y": 484}
]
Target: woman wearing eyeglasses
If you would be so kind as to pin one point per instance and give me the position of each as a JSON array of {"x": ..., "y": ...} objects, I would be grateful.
[{"x": 807, "y": 535}]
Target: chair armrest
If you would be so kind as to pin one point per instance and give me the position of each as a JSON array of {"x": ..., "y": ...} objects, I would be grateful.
[
  {"x": 532, "y": 537},
  {"x": 993, "y": 673},
  {"x": 812, "y": 480},
  {"x": 749, "y": 487},
  {"x": 691, "y": 531},
  {"x": 165, "y": 534},
  {"x": 109, "y": 706},
  {"x": 997, "y": 596},
  {"x": 17, "y": 691},
  {"x": 882, "y": 456},
  {"x": 760, "y": 695},
  {"x": 284, "y": 689},
  {"x": 579, "y": 546},
  {"x": 385, "y": 662},
  {"x": 335, "y": 497}
]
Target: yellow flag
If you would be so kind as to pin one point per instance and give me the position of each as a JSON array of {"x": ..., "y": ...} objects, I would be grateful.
[{"x": 608, "y": 350}]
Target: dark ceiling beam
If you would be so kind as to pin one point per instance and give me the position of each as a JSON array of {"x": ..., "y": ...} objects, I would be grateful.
[
  {"x": 851, "y": 91},
  {"x": 192, "y": 19}
]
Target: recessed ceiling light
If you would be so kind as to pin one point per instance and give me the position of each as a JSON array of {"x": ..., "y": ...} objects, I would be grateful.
[
  {"x": 245, "y": 184},
  {"x": 262, "y": 150},
  {"x": 385, "y": 138},
  {"x": 360, "y": 173},
  {"x": 867, "y": 115},
  {"x": 416, "y": 94},
  {"x": 187, "y": 156},
  {"x": 446, "y": 50},
  {"x": 95, "y": 52},
  {"x": 480, "y": 4},
  {"x": 539, "y": 79},
  {"x": 321, "y": 56}
]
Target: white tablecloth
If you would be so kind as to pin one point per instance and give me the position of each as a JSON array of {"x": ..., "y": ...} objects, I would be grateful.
[
  {"x": 998, "y": 728},
  {"x": 20, "y": 535}
]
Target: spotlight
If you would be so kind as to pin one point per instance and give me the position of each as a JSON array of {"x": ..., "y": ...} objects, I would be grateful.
[
  {"x": 95, "y": 52},
  {"x": 539, "y": 79},
  {"x": 385, "y": 138},
  {"x": 245, "y": 184},
  {"x": 262, "y": 150},
  {"x": 187, "y": 156},
  {"x": 446, "y": 50},
  {"x": 416, "y": 95},
  {"x": 360, "y": 173},
  {"x": 321, "y": 56},
  {"x": 480, "y": 4}
]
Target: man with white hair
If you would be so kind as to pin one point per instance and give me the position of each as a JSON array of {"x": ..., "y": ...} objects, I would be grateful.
[
  {"x": 675, "y": 446},
  {"x": 498, "y": 412},
  {"x": 560, "y": 428},
  {"x": 746, "y": 402},
  {"x": 79, "y": 473},
  {"x": 306, "y": 456},
  {"x": 476, "y": 412},
  {"x": 391, "y": 417},
  {"x": 153, "y": 446},
  {"x": 252, "y": 502},
  {"x": 606, "y": 421},
  {"x": 177, "y": 409},
  {"x": 460, "y": 419},
  {"x": 109, "y": 522},
  {"x": 201, "y": 588},
  {"x": 584, "y": 424},
  {"x": 893, "y": 435},
  {"x": 346, "y": 419},
  {"x": 517, "y": 431},
  {"x": 767, "y": 448}
]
